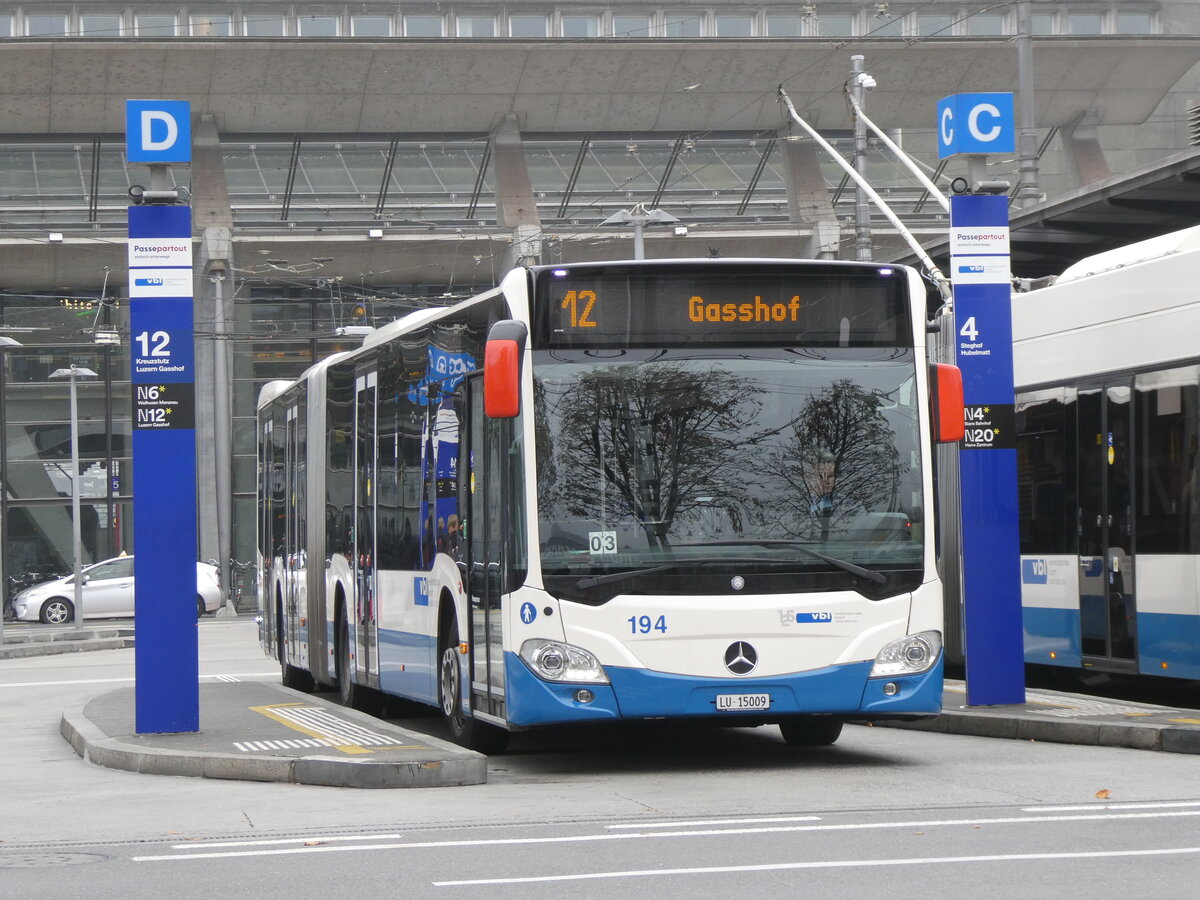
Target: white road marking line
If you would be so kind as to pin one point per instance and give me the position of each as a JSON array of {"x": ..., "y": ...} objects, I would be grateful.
[
  {"x": 713, "y": 832},
  {"x": 832, "y": 864},
  {"x": 295, "y": 840},
  {"x": 128, "y": 680},
  {"x": 757, "y": 821},
  {"x": 336, "y": 729},
  {"x": 1170, "y": 804}
]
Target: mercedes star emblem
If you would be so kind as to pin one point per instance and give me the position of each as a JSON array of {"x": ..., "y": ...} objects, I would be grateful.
[{"x": 740, "y": 658}]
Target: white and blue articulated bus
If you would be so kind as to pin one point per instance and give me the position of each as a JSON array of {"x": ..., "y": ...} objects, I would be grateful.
[
  {"x": 1107, "y": 368},
  {"x": 687, "y": 489}
]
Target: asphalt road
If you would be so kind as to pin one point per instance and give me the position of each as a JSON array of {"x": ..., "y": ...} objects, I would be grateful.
[{"x": 669, "y": 812}]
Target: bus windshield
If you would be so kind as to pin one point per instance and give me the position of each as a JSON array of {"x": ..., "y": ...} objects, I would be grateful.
[{"x": 717, "y": 470}]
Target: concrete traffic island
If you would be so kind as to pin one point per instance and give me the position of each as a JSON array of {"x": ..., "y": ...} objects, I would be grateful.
[
  {"x": 259, "y": 731},
  {"x": 1065, "y": 718}
]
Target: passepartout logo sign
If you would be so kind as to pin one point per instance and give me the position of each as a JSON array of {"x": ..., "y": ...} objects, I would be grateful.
[
  {"x": 974, "y": 240},
  {"x": 158, "y": 252}
]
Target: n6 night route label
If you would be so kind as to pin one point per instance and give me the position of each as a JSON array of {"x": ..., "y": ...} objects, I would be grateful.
[{"x": 164, "y": 406}]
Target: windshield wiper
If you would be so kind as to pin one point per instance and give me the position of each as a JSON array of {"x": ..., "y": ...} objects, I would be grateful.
[
  {"x": 597, "y": 580},
  {"x": 845, "y": 565}
]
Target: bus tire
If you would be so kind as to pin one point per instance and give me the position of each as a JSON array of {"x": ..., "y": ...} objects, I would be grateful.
[
  {"x": 811, "y": 731},
  {"x": 292, "y": 677},
  {"x": 347, "y": 690},
  {"x": 355, "y": 696},
  {"x": 464, "y": 730}
]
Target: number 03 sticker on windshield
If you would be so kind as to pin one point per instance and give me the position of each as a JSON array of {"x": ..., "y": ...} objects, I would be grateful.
[{"x": 602, "y": 542}]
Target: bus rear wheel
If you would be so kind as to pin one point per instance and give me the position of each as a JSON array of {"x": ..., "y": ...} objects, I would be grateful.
[
  {"x": 292, "y": 677},
  {"x": 811, "y": 731},
  {"x": 464, "y": 730},
  {"x": 347, "y": 689},
  {"x": 356, "y": 696}
]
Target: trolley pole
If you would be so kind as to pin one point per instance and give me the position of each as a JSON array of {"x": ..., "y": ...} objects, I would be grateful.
[{"x": 974, "y": 125}]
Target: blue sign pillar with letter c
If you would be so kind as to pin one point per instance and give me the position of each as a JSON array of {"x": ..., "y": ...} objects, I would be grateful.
[
  {"x": 162, "y": 376},
  {"x": 974, "y": 125}
]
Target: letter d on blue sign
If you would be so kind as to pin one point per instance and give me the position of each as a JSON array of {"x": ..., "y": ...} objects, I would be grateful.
[{"x": 158, "y": 131}]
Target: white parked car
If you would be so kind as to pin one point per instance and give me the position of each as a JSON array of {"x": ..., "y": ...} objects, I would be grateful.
[{"x": 107, "y": 593}]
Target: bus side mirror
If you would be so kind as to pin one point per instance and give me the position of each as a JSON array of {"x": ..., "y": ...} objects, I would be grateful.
[
  {"x": 946, "y": 384},
  {"x": 502, "y": 369}
]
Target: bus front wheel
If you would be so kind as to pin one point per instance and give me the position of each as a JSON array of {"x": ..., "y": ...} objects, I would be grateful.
[
  {"x": 464, "y": 730},
  {"x": 811, "y": 731}
]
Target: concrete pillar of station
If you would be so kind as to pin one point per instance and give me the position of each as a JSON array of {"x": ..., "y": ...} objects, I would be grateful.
[
  {"x": 809, "y": 203},
  {"x": 516, "y": 208},
  {"x": 1084, "y": 155},
  {"x": 212, "y": 223}
]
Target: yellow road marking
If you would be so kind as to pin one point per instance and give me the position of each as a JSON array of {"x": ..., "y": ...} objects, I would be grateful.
[{"x": 269, "y": 712}]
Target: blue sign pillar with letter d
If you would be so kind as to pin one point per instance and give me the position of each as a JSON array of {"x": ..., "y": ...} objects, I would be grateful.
[
  {"x": 162, "y": 362},
  {"x": 975, "y": 124}
]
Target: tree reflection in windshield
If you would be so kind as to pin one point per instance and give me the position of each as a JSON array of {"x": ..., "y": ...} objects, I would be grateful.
[
  {"x": 838, "y": 460},
  {"x": 663, "y": 441},
  {"x": 670, "y": 452}
]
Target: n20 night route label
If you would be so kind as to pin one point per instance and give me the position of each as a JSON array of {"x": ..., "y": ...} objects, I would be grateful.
[
  {"x": 990, "y": 426},
  {"x": 159, "y": 406}
]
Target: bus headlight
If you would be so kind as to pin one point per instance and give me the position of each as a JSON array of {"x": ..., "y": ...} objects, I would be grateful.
[
  {"x": 555, "y": 661},
  {"x": 909, "y": 655}
]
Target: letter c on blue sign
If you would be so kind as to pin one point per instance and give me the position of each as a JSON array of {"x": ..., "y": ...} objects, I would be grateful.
[
  {"x": 973, "y": 125},
  {"x": 947, "y": 126}
]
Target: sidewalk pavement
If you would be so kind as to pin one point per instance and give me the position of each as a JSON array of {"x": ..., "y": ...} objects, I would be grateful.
[
  {"x": 21, "y": 640},
  {"x": 261, "y": 731},
  {"x": 1063, "y": 718}
]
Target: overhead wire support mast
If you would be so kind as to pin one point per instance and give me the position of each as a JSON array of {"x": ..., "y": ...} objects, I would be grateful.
[{"x": 934, "y": 272}]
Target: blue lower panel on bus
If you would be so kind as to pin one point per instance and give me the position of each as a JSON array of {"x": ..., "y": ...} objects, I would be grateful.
[
  {"x": 642, "y": 694},
  {"x": 1051, "y": 636},
  {"x": 406, "y": 665},
  {"x": 1168, "y": 644}
]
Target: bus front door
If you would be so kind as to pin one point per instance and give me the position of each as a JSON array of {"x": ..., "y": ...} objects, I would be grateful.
[
  {"x": 481, "y": 506},
  {"x": 1107, "y": 610},
  {"x": 366, "y": 635}
]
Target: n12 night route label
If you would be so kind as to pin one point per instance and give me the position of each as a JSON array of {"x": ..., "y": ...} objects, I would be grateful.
[
  {"x": 157, "y": 406},
  {"x": 990, "y": 426}
]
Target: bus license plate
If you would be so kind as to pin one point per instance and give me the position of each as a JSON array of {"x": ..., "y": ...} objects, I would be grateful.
[{"x": 738, "y": 702}]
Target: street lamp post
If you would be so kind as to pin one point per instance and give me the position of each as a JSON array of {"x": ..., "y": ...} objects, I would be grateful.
[
  {"x": 74, "y": 374},
  {"x": 639, "y": 217}
]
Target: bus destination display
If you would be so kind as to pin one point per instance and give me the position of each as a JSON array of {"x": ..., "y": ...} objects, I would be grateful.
[{"x": 590, "y": 306}]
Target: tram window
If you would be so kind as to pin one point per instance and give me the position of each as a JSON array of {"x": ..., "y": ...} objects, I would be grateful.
[
  {"x": 1167, "y": 434},
  {"x": 1046, "y": 470}
]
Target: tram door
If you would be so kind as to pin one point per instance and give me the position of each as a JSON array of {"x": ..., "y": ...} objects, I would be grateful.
[
  {"x": 481, "y": 452},
  {"x": 366, "y": 631},
  {"x": 1107, "y": 609}
]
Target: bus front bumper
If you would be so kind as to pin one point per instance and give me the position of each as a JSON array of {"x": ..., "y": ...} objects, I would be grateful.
[{"x": 842, "y": 690}]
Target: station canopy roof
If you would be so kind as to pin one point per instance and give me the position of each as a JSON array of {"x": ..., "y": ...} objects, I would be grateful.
[
  {"x": 321, "y": 139},
  {"x": 348, "y": 86},
  {"x": 1134, "y": 206}
]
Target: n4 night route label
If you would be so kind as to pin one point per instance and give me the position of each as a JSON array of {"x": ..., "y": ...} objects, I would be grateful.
[
  {"x": 159, "y": 406},
  {"x": 990, "y": 426}
]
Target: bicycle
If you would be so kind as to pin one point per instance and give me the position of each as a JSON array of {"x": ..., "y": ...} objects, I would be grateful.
[{"x": 237, "y": 578}]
